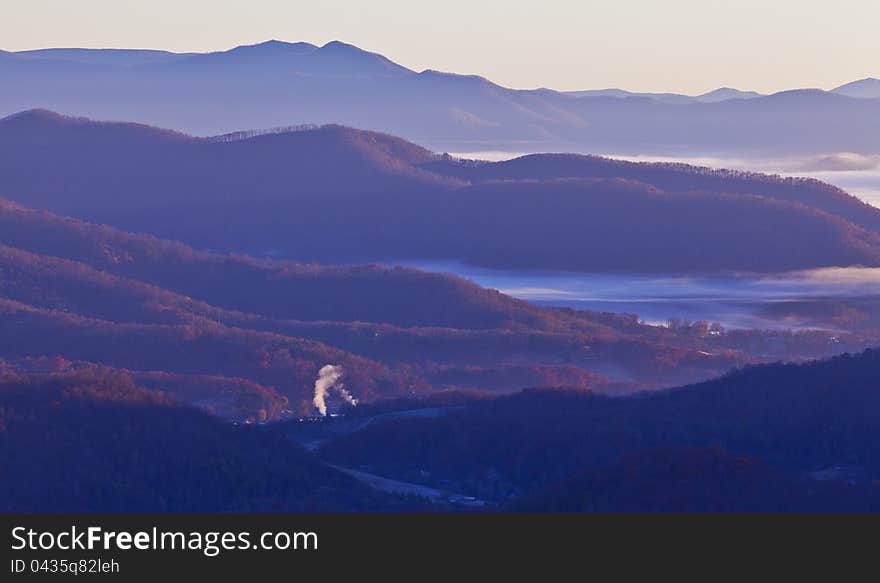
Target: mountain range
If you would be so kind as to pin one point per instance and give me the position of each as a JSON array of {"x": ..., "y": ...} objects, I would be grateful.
[
  {"x": 124, "y": 358},
  {"x": 334, "y": 194},
  {"x": 175, "y": 286},
  {"x": 778, "y": 437},
  {"x": 715, "y": 96},
  {"x": 245, "y": 337},
  {"x": 96, "y": 442},
  {"x": 280, "y": 84}
]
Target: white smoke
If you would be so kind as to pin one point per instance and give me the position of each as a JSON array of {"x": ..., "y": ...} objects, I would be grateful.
[
  {"x": 346, "y": 395},
  {"x": 328, "y": 378}
]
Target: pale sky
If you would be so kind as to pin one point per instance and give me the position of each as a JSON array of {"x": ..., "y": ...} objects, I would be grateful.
[{"x": 688, "y": 46}]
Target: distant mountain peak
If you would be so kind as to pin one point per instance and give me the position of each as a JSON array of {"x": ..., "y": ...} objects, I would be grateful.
[
  {"x": 102, "y": 56},
  {"x": 809, "y": 93},
  {"x": 365, "y": 61},
  {"x": 339, "y": 48},
  {"x": 867, "y": 88},
  {"x": 865, "y": 81},
  {"x": 274, "y": 46},
  {"x": 338, "y": 44},
  {"x": 335, "y": 58},
  {"x": 726, "y": 93},
  {"x": 714, "y": 96},
  {"x": 274, "y": 42}
]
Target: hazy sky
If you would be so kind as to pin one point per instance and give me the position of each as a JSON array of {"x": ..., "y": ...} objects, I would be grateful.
[{"x": 646, "y": 45}]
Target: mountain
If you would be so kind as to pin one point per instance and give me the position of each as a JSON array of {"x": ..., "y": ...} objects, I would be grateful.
[
  {"x": 864, "y": 89},
  {"x": 278, "y": 84},
  {"x": 725, "y": 93},
  {"x": 90, "y": 441},
  {"x": 115, "y": 57},
  {"x": 336, "y": 194},
  {"x": 715, "y": 96},
  {"x": 670, "y": 177},
  {"x": 278, "y": 289},
  {"x": 245, "y": 337},
  {"x": 718, "y": 445},
  {"x": 86, "y": 442},
  {"x": 156, "y": 159},
  {"x": 333, "y": 59},
  {"x": 674, "y": 98}
]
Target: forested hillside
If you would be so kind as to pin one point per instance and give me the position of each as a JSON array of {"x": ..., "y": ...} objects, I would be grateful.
[{"x": 340, "y": 195}]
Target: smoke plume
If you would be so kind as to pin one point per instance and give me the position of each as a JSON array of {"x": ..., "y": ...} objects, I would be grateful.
[
  {"x": 328, "y": 378},
  {"x": 346, "y": 395}
]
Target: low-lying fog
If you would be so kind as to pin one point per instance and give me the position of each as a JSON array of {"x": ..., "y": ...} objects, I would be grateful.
[{"x": 734, "y": 300}]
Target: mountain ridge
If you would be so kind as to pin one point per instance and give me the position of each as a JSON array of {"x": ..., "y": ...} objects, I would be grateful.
[
  {"x": 868, "y": 88},
  {"x": 74, "y": 292},
  {"x": 280, "y": 84},
  {"x": 281, "y": 192}
]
